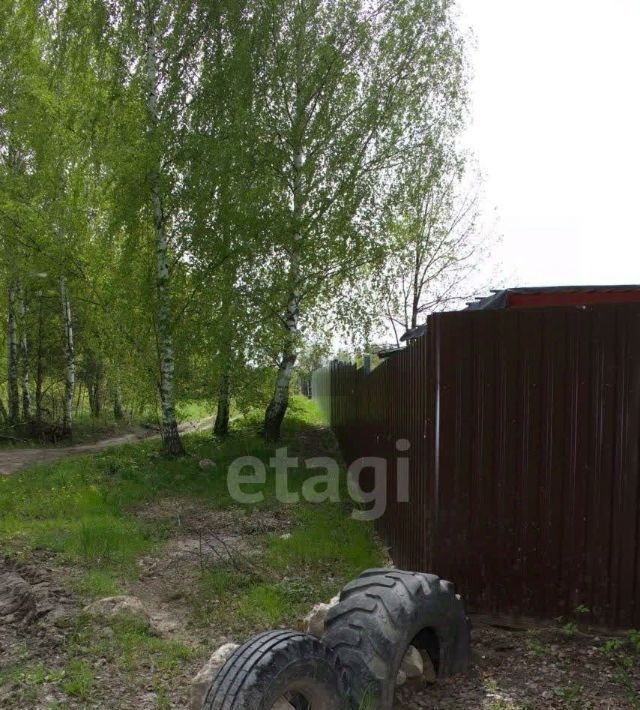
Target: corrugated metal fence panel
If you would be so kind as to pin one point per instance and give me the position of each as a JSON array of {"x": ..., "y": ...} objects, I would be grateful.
[{"x": 524, "y": 431}]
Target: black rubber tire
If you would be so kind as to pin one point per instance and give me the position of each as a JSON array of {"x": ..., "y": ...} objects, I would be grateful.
[
  {"x": 275, "y": 663},
  {"x": 380, "y": 614}
]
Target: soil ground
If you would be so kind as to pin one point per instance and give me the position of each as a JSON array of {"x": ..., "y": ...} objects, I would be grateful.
[
  {"x": 13, "y": 459},
  {"x": 537, "y": 668},
  {"x": 513, "y": 668},
  {"x": 214, "y": 572}
]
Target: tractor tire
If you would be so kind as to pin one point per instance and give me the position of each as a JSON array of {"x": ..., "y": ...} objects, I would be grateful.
[
  {"x": 381, "y": 614},
  {"x": 276, "y": 668}
]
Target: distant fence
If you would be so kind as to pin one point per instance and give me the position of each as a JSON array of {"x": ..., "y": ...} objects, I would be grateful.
[{"x": 525, "y": 439}]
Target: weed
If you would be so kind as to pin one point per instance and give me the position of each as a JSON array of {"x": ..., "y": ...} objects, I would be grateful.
[
  {"x": 502, "y": 704},
  {"x": 78, "y": 679},
  {"x": 96, "y": 583},
  {"x": 490, "y": 685},
  {"x": 625, "y": 661},
  {"x": 611, "y": 647},
  {"x": 221, "y": 580},
  {"x": 570, "y": 693},
  {"x": 263, "y": 605},
  {"x": 536, "y": 648}
]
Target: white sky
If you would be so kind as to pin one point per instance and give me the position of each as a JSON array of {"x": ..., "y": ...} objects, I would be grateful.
[{"x": 556, "y": 131}]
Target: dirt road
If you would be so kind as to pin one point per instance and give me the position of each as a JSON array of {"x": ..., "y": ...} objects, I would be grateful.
[{"x": 14, "y": 459}]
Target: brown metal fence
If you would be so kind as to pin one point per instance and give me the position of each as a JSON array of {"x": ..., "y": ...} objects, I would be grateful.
[{"x": 525, "y": 435}]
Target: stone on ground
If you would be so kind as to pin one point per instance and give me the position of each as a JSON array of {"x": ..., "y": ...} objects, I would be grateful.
[
  {"x": 201, "y": 683},
  {"x": 206, "y": 463},
  {"x": 17, "y": 601},
  {"x": 429, "y": 673},
  {"x": 282, "y": 704},
  {"x": 112, "y": 607},
  {"x": 315, "y": 619},
  {"x": 412, "y": 664},
  {"x": 416, "y": 664}
]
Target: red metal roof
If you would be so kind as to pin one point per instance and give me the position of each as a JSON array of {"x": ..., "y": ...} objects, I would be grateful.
[{"x": 549, "y": 296}]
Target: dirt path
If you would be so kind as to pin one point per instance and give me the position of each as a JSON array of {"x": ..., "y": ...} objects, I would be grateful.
[{"x": 14, "y": 459}]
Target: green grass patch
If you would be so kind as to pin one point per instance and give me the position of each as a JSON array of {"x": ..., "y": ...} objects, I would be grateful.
[
  {"x": 319, "y": 542},
  {"x": 128, "y": 646},
  {"x": 78, "y": 679},
  {"x": 97, "y": 583},
  {"x": 87, "y": 510},
  {"x": 67, "y": 508},
  {"x": 194, "y": 410},
  {"x": 325, "y": 549},
  {"x": 83, "y": 507}
]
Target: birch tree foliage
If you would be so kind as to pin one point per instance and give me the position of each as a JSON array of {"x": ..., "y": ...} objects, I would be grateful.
[
  {"x": 33, "y": 202},
  {"x": 206, "y": 183},
  {"x": 145, "y": 40},
  {"x": 226, "y": 200},
  {"x": 57, "y": 210},
  {"x": 345, "y": 92}
]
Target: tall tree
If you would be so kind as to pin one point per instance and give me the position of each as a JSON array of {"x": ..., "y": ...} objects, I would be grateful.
[
  {"x": 170, "y": 433},
  {"x": 435, "y": 240},
  {"x": 201, "y": 183},
  {"x": 141, "y": 47},
  {"x": 224, "y": 193},
  {"x": 346, "y": 91},
  {"x": 25, "y": 362},
  {"x": 70, "y": 359},
  {"x": 12, "y": 357}
]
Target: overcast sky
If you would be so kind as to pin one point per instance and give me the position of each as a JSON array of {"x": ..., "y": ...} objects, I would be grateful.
[{"x": 556, "y": 130}]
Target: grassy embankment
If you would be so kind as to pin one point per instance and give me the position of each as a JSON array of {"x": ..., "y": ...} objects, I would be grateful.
[{"x": 87, "y": 516}]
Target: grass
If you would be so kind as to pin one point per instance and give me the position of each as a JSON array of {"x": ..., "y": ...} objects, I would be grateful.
[
  {"x": 129, "y": 647},
  {"x": 310, "y": 566},
  {"x": 623, "y": 654},
  {"x": 97, "y": 583},
  {"x": 82, "y": 512},
  {"x": 570, "y": 694},
  {"x": 194, "y": 410},
  {"x": 87, "y": 428}
]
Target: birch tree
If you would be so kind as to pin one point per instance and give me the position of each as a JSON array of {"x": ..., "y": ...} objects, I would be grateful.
[
  {"x": 202, "y": 183},
  {"x": 170, "y": 434},
  {"x": 70, "y": 359},
  {"x": 25, "y": 363},
  {"x": 13, "y": 408},
  {"x": 145, "y": 42},
  {"x": 224, "y": 194},
  {"x": 346, "y": 91}
]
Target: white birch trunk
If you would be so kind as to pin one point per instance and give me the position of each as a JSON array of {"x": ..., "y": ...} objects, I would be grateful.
[
  {"x": 170, "y": 435},
  {"x": 280, "y": 401},
  {"x": 24, "y": 352},
  {"x": 39, "y": 374},
  {"x": 70, "y": 360},
  {"x": 12, "y": 359}
]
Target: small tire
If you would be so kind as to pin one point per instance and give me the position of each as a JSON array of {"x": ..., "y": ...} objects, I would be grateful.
[
  {"x": 275, "y": 665},
  {"x": 382, "y": 613}
]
